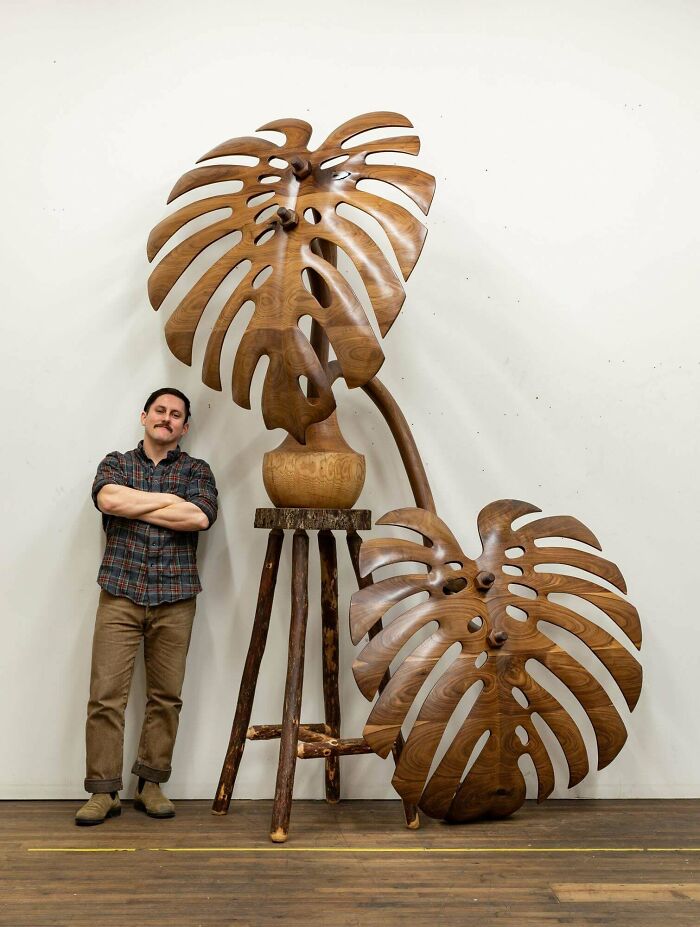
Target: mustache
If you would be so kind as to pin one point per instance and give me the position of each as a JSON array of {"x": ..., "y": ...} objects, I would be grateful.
[{"x": 163, "y": 425}]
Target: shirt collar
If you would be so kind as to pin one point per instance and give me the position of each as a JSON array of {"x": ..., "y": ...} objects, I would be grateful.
[{"x": 172, "y": 455}]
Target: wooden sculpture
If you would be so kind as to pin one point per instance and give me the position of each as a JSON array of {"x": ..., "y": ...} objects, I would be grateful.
[
  {"x": 288, "y": 231},
  {"x": 284, "y": 233},
  {"x": 497, "y": 608}
]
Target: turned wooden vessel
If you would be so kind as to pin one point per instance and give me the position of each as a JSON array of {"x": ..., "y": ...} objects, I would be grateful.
[{"x": 324, "y": 473}]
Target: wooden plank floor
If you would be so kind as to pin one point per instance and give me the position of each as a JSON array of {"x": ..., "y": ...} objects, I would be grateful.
[{"x": 575, "y": 863}]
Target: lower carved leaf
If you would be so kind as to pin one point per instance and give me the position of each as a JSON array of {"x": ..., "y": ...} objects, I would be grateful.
[{"x": 512, "y": 650}]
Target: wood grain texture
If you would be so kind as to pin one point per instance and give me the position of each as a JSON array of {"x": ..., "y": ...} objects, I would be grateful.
[
  {"x": 649, "y": 892},
  {"x": 331, "y": 748},
  {"x": 354, "y": 542},
  {"x": 310, "y": 732},
  {"x": 286, "y": 205},
  {"x": 437, "y": 876},
  {"x": 314, "y": 519},
  {"x": 324, "y": 472},
  {"x": 505, "y": 628}
]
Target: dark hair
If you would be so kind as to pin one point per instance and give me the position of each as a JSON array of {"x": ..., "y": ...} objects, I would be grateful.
[{"x": 170, "y": 392}]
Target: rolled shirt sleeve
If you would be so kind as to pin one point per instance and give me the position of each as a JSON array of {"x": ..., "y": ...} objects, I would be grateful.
[
  {"x": 111, "y": 470},
  {"x": 201, "y": 490}
]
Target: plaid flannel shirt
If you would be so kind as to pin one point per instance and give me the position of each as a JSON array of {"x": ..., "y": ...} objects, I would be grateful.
[{"x": 146, "y": 563}]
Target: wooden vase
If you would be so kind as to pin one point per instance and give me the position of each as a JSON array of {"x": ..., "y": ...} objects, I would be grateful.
[{"x": 324, "y": 473}]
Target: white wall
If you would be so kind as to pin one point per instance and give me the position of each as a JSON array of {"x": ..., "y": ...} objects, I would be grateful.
[{"x": 547, "y": 350}]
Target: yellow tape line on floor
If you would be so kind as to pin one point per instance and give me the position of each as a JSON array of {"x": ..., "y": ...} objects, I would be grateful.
[{"x": 293, "y": 849}]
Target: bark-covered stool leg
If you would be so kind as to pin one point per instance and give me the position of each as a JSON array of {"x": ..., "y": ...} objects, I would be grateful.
[
  {"x": 331, "y": 656},
  {"x": 282, "y": 806},
  {"x": 246, "y": 693}
]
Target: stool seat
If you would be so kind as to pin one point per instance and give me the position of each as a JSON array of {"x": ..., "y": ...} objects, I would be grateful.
[{"x": 314, "y": 519}]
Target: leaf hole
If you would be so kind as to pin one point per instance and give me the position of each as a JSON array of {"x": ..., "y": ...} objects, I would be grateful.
[
  {"x": 514, "y": 552},
  {"x": 516, "y": 613},
  {"x": 561, "y": 569},
  {"x": 267, "y": 213},
  {"x": 557, "y": 753},
  {"x": 311, "y": 215},
  {"x": 305, "y": 322},
  {"x": 529, "y": 771},
  {"x": 269, "y": 178},
  {"x": 476, "y": 752},
  {"x": 481, "y": 659},
  {"x": 262, "y": 277},
  {"x": 196, "y": 224},
  {"x": 277, "y": 162},
  {"x": 239, "y": 160},
  {"x": 264, "y": 236},
  {"x": 522, "y": 734},
  {"x": 525, "y": 592},
  {"x": 372, "y": 227},
  {"x": 449, "y": 657},
  {"x": 389, "y": 156},
  {"x": 259, "y": 198},
  {"x": 453, "y": 586},
  {"x": 512, "y": 570},
  {"x": 571, "y": 704},
  {"x": 213, "y": 252},
  {"x": 475, "y": 624},
  {"x": 303, "y": 384},
  {"x": 389, "y": 191},
  {"x": 238, "y": 325},
  {"x": 331, "y": 162},
  {"x": 366, "y": 136},
  {"x": 520, "y": 697},
  {"x": 353, "y": 277},
  {"x": 459, "y": 715},
  {"x": 454, "y": 565},
  {"x": 559, "y": 541}
]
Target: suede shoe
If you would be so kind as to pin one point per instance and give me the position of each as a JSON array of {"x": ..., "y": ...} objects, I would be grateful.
[
  {"x": 97, "y": 808},
  {"x": 150, "y": 799}
]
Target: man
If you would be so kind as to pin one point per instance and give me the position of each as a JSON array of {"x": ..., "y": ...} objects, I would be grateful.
[{"x": 154, "y": 499}]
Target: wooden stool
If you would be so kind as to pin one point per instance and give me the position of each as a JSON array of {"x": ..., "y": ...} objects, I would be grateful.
[{"x": 304, "y": 741}]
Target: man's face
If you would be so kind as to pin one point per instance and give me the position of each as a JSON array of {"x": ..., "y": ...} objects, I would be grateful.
[{"x": 165, "y": 420}]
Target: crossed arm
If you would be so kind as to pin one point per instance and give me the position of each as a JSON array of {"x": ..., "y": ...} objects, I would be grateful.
[{"x": 157, "y": 508}]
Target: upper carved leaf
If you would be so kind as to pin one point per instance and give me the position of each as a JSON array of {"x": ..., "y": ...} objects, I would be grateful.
[
  {"x": 292, "y": 177},
  {"x": 498, "y": 609}
]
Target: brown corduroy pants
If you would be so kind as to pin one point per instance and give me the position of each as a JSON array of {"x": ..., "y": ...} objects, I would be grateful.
[{"x": 120, "y": 625}]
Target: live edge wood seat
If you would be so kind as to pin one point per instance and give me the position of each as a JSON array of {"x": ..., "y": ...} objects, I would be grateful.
[
  {"x": 314, "y": 519},
  {"x": 299, "y": 741}
]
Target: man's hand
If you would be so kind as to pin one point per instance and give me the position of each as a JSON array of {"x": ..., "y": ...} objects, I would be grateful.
[{"x": 157, "y": 508}]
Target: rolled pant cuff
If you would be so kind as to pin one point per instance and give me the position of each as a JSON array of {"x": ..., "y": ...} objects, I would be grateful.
[
  {"x": 148, "y": 772},
  {"x": 103, "y": 785}
]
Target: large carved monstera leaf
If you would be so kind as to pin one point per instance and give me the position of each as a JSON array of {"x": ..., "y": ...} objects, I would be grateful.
[
  {"x": 487, "y": 606},
  {"x": 308, "y": 189}
]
